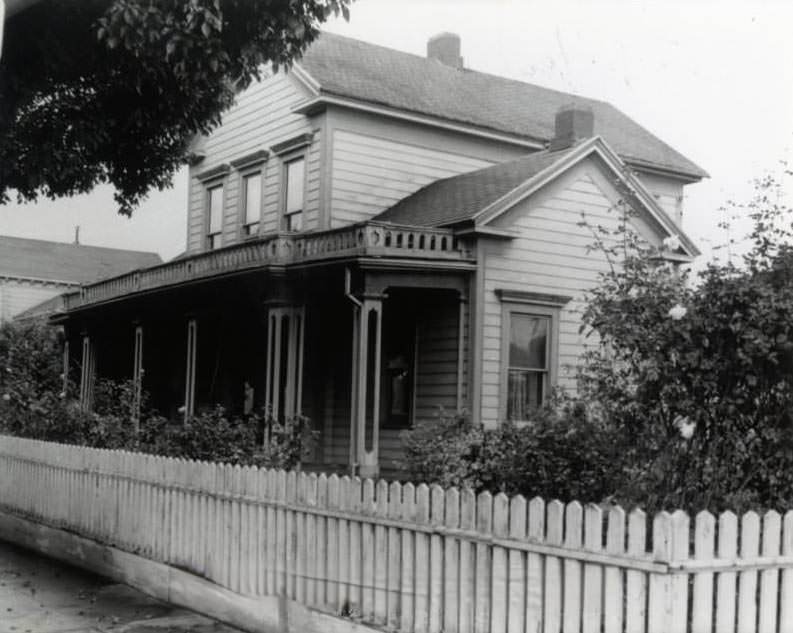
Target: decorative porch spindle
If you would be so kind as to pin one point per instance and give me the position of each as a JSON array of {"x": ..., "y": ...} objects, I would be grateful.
[
  {"x": 284, "y": 386},
  {"x": 88, "y": 373},
  {"x": 365, "y": 423}
]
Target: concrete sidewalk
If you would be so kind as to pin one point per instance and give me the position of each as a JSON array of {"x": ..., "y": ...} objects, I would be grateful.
[{"x": 40, "y": 595}]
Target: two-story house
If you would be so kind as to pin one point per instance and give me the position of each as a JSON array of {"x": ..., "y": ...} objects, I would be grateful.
[{"x": 374, "y": 235}]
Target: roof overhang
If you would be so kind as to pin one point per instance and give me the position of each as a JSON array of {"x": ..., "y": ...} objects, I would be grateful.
[{"x": 632, "y": 189}]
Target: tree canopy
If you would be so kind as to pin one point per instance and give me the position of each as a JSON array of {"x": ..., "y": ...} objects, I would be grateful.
[{"x": 113, "y": 91}]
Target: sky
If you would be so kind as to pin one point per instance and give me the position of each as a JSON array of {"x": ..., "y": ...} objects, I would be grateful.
[{"x": 712, "y": 79}]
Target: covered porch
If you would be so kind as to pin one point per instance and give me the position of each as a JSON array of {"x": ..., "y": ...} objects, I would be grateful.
[{"x": 363, "y": 346}]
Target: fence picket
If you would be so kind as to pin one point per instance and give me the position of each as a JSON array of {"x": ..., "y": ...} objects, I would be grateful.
[
  {"x": 499, "y": 574},
  {"x": 678, "y": 584},
  {"x": 407, "y": 585},
  {"x": 465, "y": 614},
  {"x": 436, "y": 559},
  {"x": 725, "y": 583},
  {"x": 421, "y": 605},
  {"x": 516, "y": 611},
  {"x": 702, "y": 611},
  {"x": 323, "y": 529},
  {"x": 394, "y": 555},
  {"x": 747, "y": 580},
  {"x": 484, "y": 526},
  {"x": 311, "y": 539},
  {"x": 332, "y": 586},
  {"x": 552, "y": 621},
  {"x": 660, "y": 589},
  {"x": 786, "y": 587},
  {"x": 613, "y": 589},
  {"x": 769, "y": 579},
  {"x": 368, "y": 553},
  {"x": 636, "y": 581},
  {"x": 571, "y": 619},
  {"x": 381, "y": 555},
  {"x": 346, "y": 502},
  {"x": 534, "y": 567},
  {"x": 356, "y": 550},
  {"x": 451, "y": 560},
  {"x": 300, "y": 541},
  {"x": 592, "y": 603}
]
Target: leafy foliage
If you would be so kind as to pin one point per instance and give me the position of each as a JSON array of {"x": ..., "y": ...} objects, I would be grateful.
[{"x": 113, "y": 91}]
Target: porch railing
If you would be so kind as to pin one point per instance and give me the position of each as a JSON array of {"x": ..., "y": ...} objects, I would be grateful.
[{"x": 372, "y": 239}]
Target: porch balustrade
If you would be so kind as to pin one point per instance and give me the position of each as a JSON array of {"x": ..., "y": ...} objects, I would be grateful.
[{"x": 368, "y": 239}]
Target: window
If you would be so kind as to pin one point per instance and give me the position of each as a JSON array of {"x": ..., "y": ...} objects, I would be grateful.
[
  {"x": 215, "y": 219},
  {"x": 252, "y": 203},
  {"x": 528, "y": 367},
  {"x": 295, "y": 175},
  {"x": 530, "y": 346}
]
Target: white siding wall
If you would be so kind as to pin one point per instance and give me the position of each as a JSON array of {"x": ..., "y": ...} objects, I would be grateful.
[
  {"x": 668, "y": 192},
  {"x": 549, "y": 257},
  {"x": 17, "y": 295},
  {"x": 261, "y": 118}
]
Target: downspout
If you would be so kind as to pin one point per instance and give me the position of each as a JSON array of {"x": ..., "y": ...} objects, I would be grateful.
[{"x": 353, "y": 396}]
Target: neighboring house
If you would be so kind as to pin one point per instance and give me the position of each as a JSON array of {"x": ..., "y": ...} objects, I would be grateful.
[
  {"x": 34, "y": 273},
  {"x": 375, "y": 235}
]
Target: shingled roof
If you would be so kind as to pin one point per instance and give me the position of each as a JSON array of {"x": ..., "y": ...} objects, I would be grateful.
[
  {"x": 459, "y": 198},
  {"x": 75, "y": 263},
  {"x": 349, "y": 68}
]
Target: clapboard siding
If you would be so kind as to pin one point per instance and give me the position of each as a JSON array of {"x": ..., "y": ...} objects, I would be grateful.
[
  {"x": 549, "y": 256},
  {"x": 261, "y": 118},
  {"x": 668, "y": 192},
  {"x": 18, "y": 295},
  {"x": 370, "y": 174}
]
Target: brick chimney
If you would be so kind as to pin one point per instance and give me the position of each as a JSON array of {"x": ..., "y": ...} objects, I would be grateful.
[
  {"x": 573, "y": 123},
  {"x": 445, "y": 47}
]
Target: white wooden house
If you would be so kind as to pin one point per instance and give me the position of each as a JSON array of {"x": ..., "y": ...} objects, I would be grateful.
[{"x": 374, "y": 235}]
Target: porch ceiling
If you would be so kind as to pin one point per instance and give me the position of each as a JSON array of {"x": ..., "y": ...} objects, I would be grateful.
[{"x": 407, "y": 246}]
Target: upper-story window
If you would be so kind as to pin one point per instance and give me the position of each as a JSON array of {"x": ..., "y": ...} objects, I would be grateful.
[
  {"x": 295, "y": 176},
  {"x": 252, "y": 203},
  {"x": 214, "y": 216}
]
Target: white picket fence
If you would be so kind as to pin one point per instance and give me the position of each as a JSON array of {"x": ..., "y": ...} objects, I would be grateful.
[{"x": 415, "y": 558}]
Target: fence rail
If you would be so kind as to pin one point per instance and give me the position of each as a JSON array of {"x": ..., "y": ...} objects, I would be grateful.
[{"x": 413, "y": 558}]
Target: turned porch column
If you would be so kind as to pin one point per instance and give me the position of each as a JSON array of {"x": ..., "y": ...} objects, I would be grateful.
[
  {"x": 365, "y": 418},
  {"x": 137, "y": 377}
]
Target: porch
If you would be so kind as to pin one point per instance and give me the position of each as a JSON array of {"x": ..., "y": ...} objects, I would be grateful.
[{"x": 363, "y": 346}]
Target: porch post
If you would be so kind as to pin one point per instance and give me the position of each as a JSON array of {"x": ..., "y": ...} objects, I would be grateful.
[
  {"x": 137, "y": 377},
  {"x": 461, "y": 350},
  {"x": 189, "y": 390},
  {"x": 366, "y": 386},
  {"x": 87, "y": 373},
  {"x": 65, "y": 385}
]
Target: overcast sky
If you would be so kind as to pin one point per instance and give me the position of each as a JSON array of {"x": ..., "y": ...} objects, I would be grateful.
[{"x": 712, "y": 79}]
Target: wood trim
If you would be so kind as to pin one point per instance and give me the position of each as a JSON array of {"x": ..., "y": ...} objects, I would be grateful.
[
  {"x": 292, "y": 144},
  {"x": 250, "y": 160},
  {"x": 220, "y": 171},
  {"x": 190, "y": 368},
  {"x": 535, "y": 298}
]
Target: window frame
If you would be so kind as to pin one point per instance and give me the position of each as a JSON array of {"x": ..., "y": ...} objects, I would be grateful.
[
  {"x": 536, "y": 305},
  {"x": 286, "y": 160},
  {"x": 257, "y": 170},
  {"x": 210, "y": 186}
]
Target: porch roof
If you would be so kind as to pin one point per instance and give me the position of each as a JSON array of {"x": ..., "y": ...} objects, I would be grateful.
[{"x": 366, "y": 240}]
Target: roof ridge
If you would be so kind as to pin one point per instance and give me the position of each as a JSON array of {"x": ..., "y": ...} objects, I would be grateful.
[{"x": 83, "y": 246}]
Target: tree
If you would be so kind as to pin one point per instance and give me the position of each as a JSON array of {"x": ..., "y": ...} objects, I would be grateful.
[{"x": 113, "y": 91}]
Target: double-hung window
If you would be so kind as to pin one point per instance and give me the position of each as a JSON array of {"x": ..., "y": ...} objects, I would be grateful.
[
  {"x": 252, "y": 203},
  {"x": 530, "y": 347},
  {"x": 528, "y": 369},
  {"x": 215, "y": 216},
  {"x": 295, "y": 179}
]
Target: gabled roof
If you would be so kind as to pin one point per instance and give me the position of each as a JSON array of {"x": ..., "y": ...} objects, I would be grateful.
[
  {"x": 480, "y": 196},
  {"x": 364, "y": 72},
  {"x": 69, "y": 263}
]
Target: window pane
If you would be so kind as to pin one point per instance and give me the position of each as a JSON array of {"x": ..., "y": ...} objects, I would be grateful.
[
  {"x": 253, "y": 198},
  {"x": 295, "y": 175},
  {"x": 526, "y": 391},
  {"x": 215, "y": 209},
  {"x": 528, "y": 341}
]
